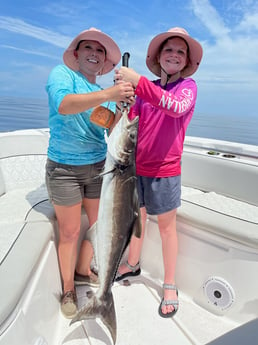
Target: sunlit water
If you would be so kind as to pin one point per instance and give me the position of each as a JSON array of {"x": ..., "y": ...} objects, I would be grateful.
[{"x": 20, "y": 113}]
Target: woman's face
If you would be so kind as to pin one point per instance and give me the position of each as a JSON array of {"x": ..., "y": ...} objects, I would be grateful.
[
  {"x": 91, "y": 56},
  {"x": 173, "y": 56}
]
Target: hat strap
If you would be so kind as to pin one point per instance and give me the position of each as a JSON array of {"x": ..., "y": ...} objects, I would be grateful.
[{"x": 168, "y": 77}]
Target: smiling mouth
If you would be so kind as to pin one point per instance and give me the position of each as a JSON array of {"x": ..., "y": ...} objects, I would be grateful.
[
  {"x": 93, "y": 61},
  {"x": 173, "y": 62}
]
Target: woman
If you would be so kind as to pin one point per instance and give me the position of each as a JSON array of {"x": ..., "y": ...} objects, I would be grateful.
[
  {"x": 165, "y": 107},
  {"x": 77, "y": 149}
]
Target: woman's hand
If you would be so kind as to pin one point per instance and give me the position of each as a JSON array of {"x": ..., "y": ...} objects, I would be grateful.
[{"x": 121, "y": 92}]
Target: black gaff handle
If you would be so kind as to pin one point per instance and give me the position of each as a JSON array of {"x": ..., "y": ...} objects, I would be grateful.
[
  {"x": 125, "y": 59},
  {"x": 125, "y": 62}
]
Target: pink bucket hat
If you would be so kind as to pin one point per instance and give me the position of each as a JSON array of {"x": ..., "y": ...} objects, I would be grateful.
[
  {"x": 195, "y": 51},
  {"x": 113, "y": 54}
]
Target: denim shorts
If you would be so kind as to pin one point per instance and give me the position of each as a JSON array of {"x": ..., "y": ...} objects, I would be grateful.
[
  {"x": 68, "y": 184},
  {"x": 159, "y": 195}
]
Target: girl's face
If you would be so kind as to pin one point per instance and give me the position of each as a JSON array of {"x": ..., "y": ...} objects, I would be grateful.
[
  {"x": 91, "y": 56},
  {"x": 173, "y": 56}
]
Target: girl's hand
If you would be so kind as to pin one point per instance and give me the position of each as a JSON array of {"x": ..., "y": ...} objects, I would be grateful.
[{"x": 128, "y": 75}]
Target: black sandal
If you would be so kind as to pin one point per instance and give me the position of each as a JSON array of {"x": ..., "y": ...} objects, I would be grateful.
[
  {"x": 174, "y": 303},
  {"x": 135, "y": 271}
]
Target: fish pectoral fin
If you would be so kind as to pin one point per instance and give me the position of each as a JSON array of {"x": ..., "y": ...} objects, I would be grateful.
[
  {"x": 137, "y": 228},
  {"x": 91, "y": 235}
]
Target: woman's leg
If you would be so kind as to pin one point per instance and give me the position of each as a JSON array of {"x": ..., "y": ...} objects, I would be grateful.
[
  {"x": 91, "y": 207},
  {"x": 167, "y": 228},
  {"x": 69, "y": 221}
]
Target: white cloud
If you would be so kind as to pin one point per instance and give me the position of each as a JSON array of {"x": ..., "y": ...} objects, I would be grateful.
[
  {"x": 21, "y": 27},
  {"x": 210, "y": 18},
  {"x": 226, "y": 29},
  {"x": 229, "y": 57},
  {"x": 249, "y": 22},
  {"x": 31, "y": 52}
]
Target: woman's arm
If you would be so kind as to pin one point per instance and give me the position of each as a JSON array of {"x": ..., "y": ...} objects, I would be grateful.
[{"x": 77, "y": 103}]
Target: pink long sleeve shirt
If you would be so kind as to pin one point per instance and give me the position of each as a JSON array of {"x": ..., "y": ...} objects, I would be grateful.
[{"x": 163, "y": 119}]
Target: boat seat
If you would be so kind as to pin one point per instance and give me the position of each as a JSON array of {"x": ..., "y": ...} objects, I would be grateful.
[
  {"x": 18, "y": 264},
  {"x": 27, "y": 218},
  {"x": 222, "y": 215},
  {"x": 245, "y": 334},
  {"x": 2, "y": 184},
  {"x": 26, "y": 205},
  {"x": 232, "y": 177},
  {"x": 20, "y": 207},
  {"x": 219, "y": 195},
  {"x": 22, "y": 176},
  {"x": 24, "y": 195}
]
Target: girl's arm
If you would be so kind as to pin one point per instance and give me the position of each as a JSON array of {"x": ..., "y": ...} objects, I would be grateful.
[{"x": 176, "y": 104}]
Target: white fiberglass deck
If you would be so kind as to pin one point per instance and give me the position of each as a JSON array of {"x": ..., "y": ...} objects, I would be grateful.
[
  {"x": 218, "y": 251},
  {"x": 138, "y": 321}
]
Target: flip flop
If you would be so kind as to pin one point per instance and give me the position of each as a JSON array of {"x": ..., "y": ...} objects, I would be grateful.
[
  {"x": 174, "y": 303},
  {"x": 135, "y": 271}
]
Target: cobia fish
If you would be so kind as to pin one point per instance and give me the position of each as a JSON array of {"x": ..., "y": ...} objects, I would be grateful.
[{"x": 118, "y": 219}]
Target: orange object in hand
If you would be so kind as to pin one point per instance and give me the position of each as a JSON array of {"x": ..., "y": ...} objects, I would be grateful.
[{"x": 102, "y": 116}]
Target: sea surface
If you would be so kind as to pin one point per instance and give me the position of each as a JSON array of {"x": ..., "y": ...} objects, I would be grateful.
[{"x": 21, "y": 113}]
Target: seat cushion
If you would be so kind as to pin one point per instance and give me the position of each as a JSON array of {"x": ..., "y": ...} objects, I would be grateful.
[
  {"x": 222, "y": 215},
  {"x": 24, "y": 205},
  {"x": 14, "y": 271}
]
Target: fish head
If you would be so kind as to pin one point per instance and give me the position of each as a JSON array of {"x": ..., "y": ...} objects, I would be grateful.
[{"x": 122, "y": 140}]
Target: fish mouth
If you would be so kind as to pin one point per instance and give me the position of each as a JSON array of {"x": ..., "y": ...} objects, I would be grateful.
[{"x": 131, "y": 126}]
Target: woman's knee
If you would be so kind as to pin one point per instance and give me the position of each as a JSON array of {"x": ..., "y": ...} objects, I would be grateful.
[{"x": 69, "y": 233}]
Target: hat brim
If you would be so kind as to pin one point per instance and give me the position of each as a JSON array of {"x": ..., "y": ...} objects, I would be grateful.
[
  {"x": 195, "y": 53},
  {"x": 113, "y": 54}
]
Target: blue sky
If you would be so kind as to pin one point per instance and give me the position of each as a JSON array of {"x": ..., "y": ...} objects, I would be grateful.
[{"x": 34, "y": 34}]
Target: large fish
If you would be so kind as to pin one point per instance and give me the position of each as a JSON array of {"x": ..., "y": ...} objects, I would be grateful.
[{"x": 118, "y": 219}]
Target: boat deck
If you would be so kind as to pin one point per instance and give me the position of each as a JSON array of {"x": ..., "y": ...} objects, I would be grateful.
[
  {"x": 218, "y": 252},
  {"x": 138, "y": 321}
]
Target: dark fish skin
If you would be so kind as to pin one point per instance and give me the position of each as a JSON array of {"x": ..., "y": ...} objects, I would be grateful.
[{"x": 118, "y": 219}]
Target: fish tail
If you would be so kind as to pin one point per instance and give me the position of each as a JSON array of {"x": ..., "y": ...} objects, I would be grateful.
[
  {"x": 108, "y": 316},
  {"x": 98, "y": 308}
]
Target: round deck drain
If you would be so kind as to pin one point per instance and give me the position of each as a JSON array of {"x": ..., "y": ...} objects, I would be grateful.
[{"x": 219, "y": 292}]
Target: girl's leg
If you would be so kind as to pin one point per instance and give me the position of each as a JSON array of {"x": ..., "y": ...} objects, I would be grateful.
[{"x": 167, "y": 228}]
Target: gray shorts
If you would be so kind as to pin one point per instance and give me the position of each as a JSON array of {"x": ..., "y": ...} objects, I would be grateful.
[
  {"x": 69, "y": 184},
  {"x": 159, "y": 195}
]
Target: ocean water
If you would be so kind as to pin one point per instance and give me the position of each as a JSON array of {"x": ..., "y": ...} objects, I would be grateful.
[{"x": 20, "y": 113}]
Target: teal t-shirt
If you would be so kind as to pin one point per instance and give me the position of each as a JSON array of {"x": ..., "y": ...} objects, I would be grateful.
[{"x": 74, "y": 139}]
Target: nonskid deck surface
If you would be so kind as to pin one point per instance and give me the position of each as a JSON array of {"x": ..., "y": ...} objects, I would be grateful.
[{"x": 138, "y": 321}]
